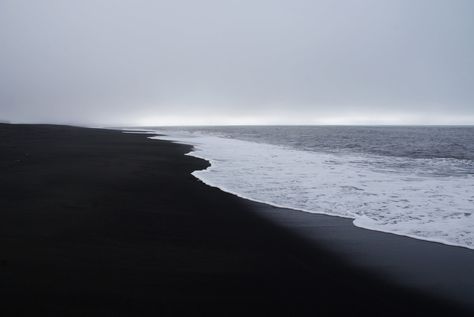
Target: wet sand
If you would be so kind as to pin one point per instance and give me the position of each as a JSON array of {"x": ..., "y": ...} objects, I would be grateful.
[{"x": 429, "y": 267}]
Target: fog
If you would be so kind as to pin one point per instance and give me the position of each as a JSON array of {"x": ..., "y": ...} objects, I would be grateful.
[{"x": 111, "y": 62}]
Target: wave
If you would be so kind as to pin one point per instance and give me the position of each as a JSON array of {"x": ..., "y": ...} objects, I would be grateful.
[{"x": 381, "y": 197}]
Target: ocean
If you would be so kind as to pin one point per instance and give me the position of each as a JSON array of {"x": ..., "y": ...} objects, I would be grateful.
[{"x": 411, "y": 181}]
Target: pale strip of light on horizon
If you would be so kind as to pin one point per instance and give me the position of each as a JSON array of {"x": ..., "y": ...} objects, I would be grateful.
[{"x": 396, "y": 119}]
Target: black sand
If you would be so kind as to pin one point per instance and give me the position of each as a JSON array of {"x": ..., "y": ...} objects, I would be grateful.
[{"x": 100, "y": 223}]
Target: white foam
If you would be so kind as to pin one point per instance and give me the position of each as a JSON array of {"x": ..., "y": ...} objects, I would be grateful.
[{"x": 407, "y": 202}]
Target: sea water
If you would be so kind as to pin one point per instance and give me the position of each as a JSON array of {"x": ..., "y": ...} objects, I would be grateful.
[{"x": 412, "y": 181}]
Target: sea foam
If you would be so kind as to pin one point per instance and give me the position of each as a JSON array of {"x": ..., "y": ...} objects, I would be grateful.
[{"x": 414, "y": 202}]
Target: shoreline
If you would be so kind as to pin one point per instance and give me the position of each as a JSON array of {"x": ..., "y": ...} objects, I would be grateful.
[
  {"x": 445, "y": 243},
  {"x": 212, "y": 163},
  {"x": 100, "y": 222},
  {"x": 372, "y": 257}
]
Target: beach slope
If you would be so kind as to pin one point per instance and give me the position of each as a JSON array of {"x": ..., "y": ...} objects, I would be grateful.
[{"x": 96, "y": 222}]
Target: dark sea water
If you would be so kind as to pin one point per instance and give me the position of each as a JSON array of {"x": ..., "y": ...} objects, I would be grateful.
[
  {"x": 415, "y": 142},
  {"x": 414, "y": 181}
]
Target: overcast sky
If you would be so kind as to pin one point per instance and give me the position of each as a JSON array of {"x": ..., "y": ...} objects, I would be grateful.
[{"x": 237, "y": 61}]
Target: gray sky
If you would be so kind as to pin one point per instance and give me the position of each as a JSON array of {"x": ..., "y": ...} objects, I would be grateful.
[{"x": 229, "y": 61}]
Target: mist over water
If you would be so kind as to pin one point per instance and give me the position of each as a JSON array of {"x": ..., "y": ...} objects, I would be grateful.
[
  {"x": 414, "y": 181},
  {"x": 143, "y": 62}
]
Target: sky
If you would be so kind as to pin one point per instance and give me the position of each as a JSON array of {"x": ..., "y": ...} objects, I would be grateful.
[{"x": 187, "y": 62}]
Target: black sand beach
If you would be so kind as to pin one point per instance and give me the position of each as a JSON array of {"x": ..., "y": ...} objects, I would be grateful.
[{"x": 101, "y": 223}]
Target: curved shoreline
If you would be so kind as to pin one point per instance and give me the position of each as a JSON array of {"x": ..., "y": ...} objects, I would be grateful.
[
  {"x": 420, "y": 264},
  {"x": 98, "y": 222},
  {"x": 212, "y": 165}
]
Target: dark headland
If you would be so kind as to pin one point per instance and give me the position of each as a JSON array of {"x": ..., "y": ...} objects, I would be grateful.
[{"x": 101, "y": 223}]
